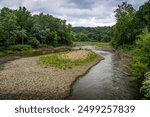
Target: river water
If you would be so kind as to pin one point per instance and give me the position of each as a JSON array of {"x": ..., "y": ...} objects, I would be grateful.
[{"x": 106, "y": 80}]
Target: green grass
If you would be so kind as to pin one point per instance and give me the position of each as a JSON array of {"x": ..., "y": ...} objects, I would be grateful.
[
  {"x": 57, "y": 60},
  {"x": 102, "y": 44}
]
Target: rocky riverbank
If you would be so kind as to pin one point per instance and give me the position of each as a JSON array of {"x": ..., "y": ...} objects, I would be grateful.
[{"x": 25, "y": 78}]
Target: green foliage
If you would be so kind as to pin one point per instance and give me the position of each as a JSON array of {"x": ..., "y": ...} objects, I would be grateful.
[
  {"x": 145, "y": 89},
  {"x": 8, "y": 25},
  {"x": 103, "y": 34},
  {"x": 19, "y": 47},
  {"x": 130, "y": 23},
  {"x": 141, "y": 60},
  {"x": 81, "y": 37},
  {"x": 54, "y": 38},
  {"x": 132, "y": 34},
  {"x": 138, "y": 67},
  {"x": 58, "y": 60},
  {"x": 21, "y": 34},
  {"x": 122, "y": 31},
  {"x": 142, "y": 18},
  {"x": 19, "y": 26},
  {"x": 2, "y": 48},
  {"x": 34, "y": 42}
]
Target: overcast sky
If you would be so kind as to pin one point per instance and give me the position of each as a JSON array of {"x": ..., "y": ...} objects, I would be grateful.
[{"x": 77, "y": 12}]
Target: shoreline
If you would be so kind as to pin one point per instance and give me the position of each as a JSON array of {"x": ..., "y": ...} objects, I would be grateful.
[
  {"x": 78, "y": 77},
  {"x": 57, "y": 84}
]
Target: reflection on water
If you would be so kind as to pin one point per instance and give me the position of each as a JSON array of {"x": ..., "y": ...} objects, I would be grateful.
[{"x": 106, "y": 80}]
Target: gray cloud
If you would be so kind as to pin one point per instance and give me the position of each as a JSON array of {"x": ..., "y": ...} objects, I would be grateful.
[
  {"x": 10, "y": 3},
  {"x": 76, "y": 12},
  {"x": 81, "y": 4}
]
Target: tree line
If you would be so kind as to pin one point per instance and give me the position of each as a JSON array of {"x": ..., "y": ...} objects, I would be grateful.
[
  {"x": 132, "y": 33},
  {"x": 102, "y": 34},
  {"x": 21, "y": 27}
]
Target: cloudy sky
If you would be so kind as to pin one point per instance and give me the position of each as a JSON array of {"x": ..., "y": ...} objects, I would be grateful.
[{"x": 89, "y": 13}]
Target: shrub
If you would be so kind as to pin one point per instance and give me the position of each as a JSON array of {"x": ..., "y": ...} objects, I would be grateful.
[
  {"x": 20, "y": 47},
  {"x": 145, "y": 89},
  {"x": 141, "y": 60},
  {"x": 44, "y": 46},
  {"x": 139, "y": 67},
  {"x": 34, "y": 42}
]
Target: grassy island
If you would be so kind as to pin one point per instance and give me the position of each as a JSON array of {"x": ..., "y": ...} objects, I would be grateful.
[{"x": 69, "y": 59}]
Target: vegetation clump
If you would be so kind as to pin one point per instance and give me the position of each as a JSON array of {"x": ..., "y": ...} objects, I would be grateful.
[
  {"x": 132, "y": 33},
  {"x": 94, "y": 34},
  {"x": 19, "y": 47},
  {"x": 141, "y": 56},
  {"x": 69, "y": 59},
  {"x": 20, "y": 27},
  {"x": 145, "y": 90}
]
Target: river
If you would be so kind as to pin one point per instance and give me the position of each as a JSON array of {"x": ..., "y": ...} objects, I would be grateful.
[{"x": 105, "y": 81}]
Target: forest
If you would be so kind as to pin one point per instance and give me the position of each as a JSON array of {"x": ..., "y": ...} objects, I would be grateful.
[
  {"x": 100, "y": 34},
  {"x": 20, "y": 29},
  {"x": 132, "y": 34}
]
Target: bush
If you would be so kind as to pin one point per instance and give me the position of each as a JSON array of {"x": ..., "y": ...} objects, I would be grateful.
[
  {"x": 145, "y": 89},
  {"x": 141, "y": 60},
  {"x": 19, "y": 47},
  {"x": 44, "y": 46},
  {"x": 139, "y": 68},
  {"x": 34, "y": 42}
]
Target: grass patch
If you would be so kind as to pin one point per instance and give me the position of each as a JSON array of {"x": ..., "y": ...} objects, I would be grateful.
[
  {"x": 62, "y": 61},
  {"x": 101, "y": 44}
]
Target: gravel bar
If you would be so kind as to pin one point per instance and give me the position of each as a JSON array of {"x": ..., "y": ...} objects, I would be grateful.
[{"x": 25, "y": 78}]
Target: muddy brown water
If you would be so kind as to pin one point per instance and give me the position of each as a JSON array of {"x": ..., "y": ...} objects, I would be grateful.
[{"x": 105, "y": 81}]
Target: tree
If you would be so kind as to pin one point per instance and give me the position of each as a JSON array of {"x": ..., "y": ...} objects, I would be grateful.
[
  {"x": 142, "y": 19},
  {"x": 125, "y": 14},
  {"x": 81, "y": 37},
  {"x": 103, "y": 34},
  {"x": 8, "y": 26},
  {"x": 34, "y": 42},
  {"x": 22, "y": 34},
  {"x": 24, "y": 18},
  {"x": 20, "y": 27}
]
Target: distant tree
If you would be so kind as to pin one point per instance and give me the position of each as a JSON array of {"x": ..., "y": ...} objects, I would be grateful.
[
  {"x": 93, "y": 33},
  {"x": 20, "y": 27},
  {"x": 142, "y": 19},
  {"x": 81, "y": 37}
]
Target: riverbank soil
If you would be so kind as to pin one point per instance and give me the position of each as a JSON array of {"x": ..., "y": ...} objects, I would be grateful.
[{"x": 26, "y": 78}]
